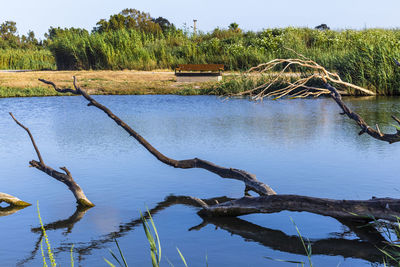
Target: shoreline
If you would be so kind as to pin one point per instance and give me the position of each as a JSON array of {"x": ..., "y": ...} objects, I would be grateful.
[{"x": 125, "y": 82}]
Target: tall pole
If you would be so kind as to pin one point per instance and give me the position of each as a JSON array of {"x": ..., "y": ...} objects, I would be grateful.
[{"x": 194, "y": 26}]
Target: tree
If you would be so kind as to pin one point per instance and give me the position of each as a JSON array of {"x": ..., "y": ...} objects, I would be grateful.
[
  {"x": 57, "y": 32},
  {"x": 164, "y": 24},
  {"x": 234, "y": 27},
  {"x": 8, "y": 30},
  {"x": 8, "y": 35},
  {"x": 128, "y": 19},
  {"x": 322, "y": 27}
]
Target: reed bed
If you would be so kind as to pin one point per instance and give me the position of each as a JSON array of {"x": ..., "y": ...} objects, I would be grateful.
[
  {"x": 363, "y": 57},
  {"x": 17, "y": 59}
]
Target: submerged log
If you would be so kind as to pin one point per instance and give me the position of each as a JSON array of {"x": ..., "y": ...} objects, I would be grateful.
[{"x": 64, "y": 178}]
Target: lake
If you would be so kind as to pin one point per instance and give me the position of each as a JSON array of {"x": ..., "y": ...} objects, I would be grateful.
[{"x": 298, "y": 146}]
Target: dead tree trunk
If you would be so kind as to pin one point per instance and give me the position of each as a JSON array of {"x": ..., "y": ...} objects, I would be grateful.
[
  {"x": 366, "y": 247},
  {"x": 64, "y": 178},
  {"x": 268, "y": 202},
  {"x": 376, "y": 208},
  {"x": 249, "y": 179}
]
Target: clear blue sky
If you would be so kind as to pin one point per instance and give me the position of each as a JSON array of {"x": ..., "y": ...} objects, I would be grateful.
[{"x": 39, "y": 15}]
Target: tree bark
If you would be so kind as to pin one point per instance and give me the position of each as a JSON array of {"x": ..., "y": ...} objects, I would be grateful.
[
  {"x": 375, "y": 208},
  {"x": 66, "y": 178}
]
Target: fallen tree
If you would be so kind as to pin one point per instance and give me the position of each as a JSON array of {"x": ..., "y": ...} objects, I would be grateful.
[
  {"x": 65, "y": 178},
  {"x": 268, "y": 201},
  {"x": 14, "y": 204},
  {"x": 366, "y": 246},
  {"x": 13, "y": 201}
]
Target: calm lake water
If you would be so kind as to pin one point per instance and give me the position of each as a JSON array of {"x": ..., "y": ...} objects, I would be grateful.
[{"x": 296, "y": 146}]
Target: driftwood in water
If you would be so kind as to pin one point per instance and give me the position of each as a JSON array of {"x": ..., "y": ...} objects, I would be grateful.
[
  {"x": 65, "y": 178},
  {"x": 376, "y": 208},
  {"x": 13, "y": 201},
  {"x": 249, "y": 179},
  {"x": 365, "y": 128},
  {"x": 268, "y": 202},
  {"x": 367, "y": 246},
  {"x": 382, "y": 208},
  {"x": 15, "y": 204}
]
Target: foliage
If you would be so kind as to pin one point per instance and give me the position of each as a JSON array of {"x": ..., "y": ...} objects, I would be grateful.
[
  {"x": 49, "y": 251},
  {"x": 155, "y": 251},
  {"x": 26, "y": 59},
  {"x": 128, "y": 19},
  {"x": 154, "y": 241},
  {"x": 10, "y": 39},
  {"x": 133, "y": 39},
  {"x": 125, "y": 264}
]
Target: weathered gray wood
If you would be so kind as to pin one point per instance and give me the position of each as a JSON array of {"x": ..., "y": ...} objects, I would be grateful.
[
  {"x": 249, "y": 179},
  {"x": 64, "y": 178},
  {"x": 13, "y": 201},
  {"x": 375, "y": 208}
]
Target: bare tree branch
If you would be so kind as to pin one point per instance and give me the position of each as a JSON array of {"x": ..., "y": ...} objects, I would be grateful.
[
  {"x": 249, "y": 179},
  {"x": 365, "y": 128},
  {"x": 298, "y": 88},
  {"x": 64, "y": 178},
  {"x": 30, "y": 136}
]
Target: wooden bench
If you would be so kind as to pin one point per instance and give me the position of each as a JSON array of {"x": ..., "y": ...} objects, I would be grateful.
[{"x": 199, "y": 69}]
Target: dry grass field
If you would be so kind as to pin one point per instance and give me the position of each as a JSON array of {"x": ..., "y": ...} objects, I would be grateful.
[{"x": 14, "y": 84}]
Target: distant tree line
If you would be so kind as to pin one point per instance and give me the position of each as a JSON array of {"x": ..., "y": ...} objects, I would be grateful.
[
  {"x": 10, "y": 39},
  {"x": 127, "y": 19},
  {"x": 132, "y": 39}
]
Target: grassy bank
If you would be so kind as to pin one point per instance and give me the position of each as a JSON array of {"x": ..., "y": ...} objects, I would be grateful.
[{"x": 97, "y": 82}]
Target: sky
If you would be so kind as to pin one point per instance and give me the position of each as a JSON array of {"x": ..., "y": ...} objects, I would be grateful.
[{"x": 255, "y": 15}]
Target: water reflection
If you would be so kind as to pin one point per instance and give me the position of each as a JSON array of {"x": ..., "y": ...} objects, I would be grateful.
[
  {"x": 296, "y": 146},
  {"x": 367, "y": 246},
  {"x": 10, "y": 209}
]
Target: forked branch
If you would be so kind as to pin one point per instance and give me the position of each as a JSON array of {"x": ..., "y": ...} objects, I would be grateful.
[
  {"x": 299, "y": 88},
  {"x": 249, "y": 179},
  {"x": 66, "y": 178}
]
